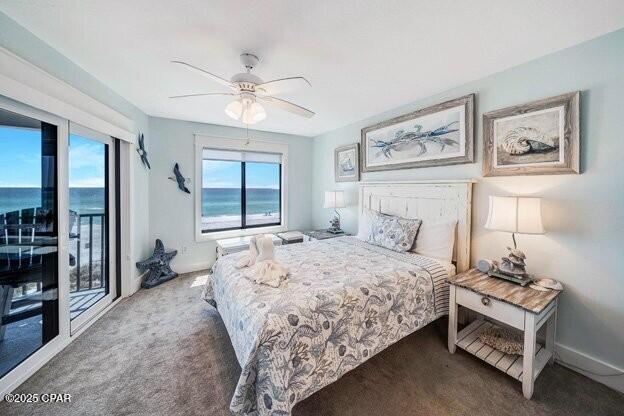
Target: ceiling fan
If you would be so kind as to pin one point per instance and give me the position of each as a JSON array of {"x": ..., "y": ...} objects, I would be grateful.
[{"x": 251, "y": 90}]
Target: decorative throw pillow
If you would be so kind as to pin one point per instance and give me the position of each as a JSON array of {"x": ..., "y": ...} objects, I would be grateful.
[{"x": 395, "y": 233}]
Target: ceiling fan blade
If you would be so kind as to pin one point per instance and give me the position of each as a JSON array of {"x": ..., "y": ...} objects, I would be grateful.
[
  {"x": 288, "y": 106},
  {"x": 202, "y": 95},
  {"x": 282, "y": 85},
  {"x": 207, "y": 74}
]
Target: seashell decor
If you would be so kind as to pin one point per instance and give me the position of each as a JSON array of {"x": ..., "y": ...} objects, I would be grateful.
[
  {"x": 523, "y": 140},
  {"x": 502, "y": 339}
]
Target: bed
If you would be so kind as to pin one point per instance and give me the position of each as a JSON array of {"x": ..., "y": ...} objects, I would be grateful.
[{"x": 344, "y": 301}]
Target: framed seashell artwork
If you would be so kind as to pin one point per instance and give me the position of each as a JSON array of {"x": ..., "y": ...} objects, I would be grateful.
[{"x": 537, "y": 138}]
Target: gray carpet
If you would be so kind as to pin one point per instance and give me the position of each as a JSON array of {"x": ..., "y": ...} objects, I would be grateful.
[{"x": 165, "y": 352}]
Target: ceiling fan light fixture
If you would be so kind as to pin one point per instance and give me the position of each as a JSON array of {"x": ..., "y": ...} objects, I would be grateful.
[
  {"x": 234, "y": 109},
  {"x": 256, "y": 112},
  {"x": 248, "y": 87}
]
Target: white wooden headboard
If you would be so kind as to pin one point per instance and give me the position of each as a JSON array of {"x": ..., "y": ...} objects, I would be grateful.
[{"x": 433, "y": 201}]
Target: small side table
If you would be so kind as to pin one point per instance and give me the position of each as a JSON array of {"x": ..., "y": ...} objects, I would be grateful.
[
  {"x": 291, "y": 237},
  {"x": 237, "y": 244},
  {"x": 520, "y": 307},
  {"x": 322, "y": 235}
]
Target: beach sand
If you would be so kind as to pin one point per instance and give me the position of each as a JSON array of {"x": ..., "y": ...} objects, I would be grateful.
[{"x": 233, "y": 221}]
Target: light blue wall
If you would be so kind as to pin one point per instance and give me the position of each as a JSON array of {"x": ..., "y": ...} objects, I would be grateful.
[
  {"x": 172, "y": 213},
  {"x": 29, "y": 47},
  {"x": 584, "y": 214},
  {"x": 23, "y": 43}
]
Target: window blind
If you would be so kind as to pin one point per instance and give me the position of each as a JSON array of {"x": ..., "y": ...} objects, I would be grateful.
[{"x": 241, "y": 156}]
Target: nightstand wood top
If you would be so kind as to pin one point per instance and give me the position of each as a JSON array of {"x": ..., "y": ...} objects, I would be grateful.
[
  {"x": 323, "y": 234},
  {"x": 524, "y": 297}
]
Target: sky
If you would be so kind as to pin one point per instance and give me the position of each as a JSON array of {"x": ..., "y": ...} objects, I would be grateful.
[
  {"x": 224, "y": 174},
  {"x": 20, "y": 160},
  {"x": 86, "y": 162},
  {"x": 20, "y": 164}
]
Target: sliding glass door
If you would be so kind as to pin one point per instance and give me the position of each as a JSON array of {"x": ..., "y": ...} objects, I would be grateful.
[
  {"x": 29, "y": 231},
  {"x": 59, "y": 256},
  {"x": 92, "y": 283}
]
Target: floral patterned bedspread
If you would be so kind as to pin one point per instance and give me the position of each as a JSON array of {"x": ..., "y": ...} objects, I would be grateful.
[{"x": 344, "y": 301}]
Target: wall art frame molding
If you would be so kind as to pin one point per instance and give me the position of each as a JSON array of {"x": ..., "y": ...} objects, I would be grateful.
[
  {"x": 547, "y": 142},
  {"x": 423, "y": 140}
]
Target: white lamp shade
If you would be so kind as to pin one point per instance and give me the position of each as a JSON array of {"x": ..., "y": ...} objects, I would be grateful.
[
  {"x": 234, "y": 109},
  {"x": 334, "y": 199},
  {"x": 253, "y": 113},
  {"x": 515, "y": 215},
  {"x": 247, "y": 111}
]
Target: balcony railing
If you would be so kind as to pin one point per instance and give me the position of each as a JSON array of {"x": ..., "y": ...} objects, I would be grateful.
[
  {"x": 21, "y": 235},
  {"x": 90, "y": 242}
]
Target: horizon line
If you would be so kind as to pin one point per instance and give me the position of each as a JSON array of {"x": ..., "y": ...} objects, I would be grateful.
[{"x": 102, "y": 187}]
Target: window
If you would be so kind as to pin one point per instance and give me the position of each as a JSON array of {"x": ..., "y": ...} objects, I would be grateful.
[{"x": 240, "y": 190}]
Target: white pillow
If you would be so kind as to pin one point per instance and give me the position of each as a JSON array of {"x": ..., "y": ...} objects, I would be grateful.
[
  {"x": 364, "y": 225},
  {"x": 436, "y": 240}
]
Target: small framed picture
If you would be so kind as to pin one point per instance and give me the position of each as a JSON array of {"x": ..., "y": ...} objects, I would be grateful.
[
  {"x": 347, "y": 163},
  {"x": 538, "y": 138}
]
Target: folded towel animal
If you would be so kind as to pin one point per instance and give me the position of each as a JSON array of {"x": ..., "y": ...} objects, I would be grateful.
[
  {"x": 249, "y": 257},
  {"x": 267, "y": 272},
  {"x": 260, "y": 249},
  {"x": 264, "y": 245}
]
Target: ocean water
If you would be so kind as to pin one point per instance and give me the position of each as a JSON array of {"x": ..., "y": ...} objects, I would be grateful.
[
  {"x": 81, "y": 200},
  {"x": 227, "y": 201},
  {"x": 215, "y": 201}
]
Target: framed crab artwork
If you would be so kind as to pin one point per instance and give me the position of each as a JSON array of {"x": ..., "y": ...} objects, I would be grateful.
[
  {"x": 538, "y": 138},
  {"x": 438, "y": 135}
]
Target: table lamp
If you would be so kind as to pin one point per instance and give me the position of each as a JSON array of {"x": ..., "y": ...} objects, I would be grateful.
[
  {"x": 335, "y": 200},
  {"x": 515, "y": 215}
]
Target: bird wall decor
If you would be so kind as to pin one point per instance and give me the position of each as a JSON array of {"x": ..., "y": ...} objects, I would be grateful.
[
  {"x": 181, "y": 180},
  {"x": 142, "y": 152}
]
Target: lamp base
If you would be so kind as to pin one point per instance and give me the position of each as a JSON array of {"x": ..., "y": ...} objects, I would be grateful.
[{"x": 521, "y": 280}]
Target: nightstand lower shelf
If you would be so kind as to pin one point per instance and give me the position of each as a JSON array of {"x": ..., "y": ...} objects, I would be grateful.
[{"x": 510, "y": 364}]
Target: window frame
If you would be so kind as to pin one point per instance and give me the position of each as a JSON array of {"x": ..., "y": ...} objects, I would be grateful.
[
  {"x": 243, "y": 212},
  {"x": 202, "y": 142}
]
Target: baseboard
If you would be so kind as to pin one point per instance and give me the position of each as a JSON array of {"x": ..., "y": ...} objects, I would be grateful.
[
  {"x": 598, "y": 370},
  {"x": 193, "y": 267},
  {"x": 95, "y": 318},
  {"x": 178, "y": 268}
]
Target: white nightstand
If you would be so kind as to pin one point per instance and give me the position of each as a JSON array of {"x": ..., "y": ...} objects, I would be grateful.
[
  {"x": 322, "y": 235},
  {"x": 291, "y": 237},
  {"x": 519, "y": 307}
]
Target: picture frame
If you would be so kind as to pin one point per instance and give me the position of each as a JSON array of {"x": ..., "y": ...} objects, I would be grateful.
[
  {"x": 439, "y": 135},
  {"x": 537, "y": 138},
  {"x": 347, "y": 163}
]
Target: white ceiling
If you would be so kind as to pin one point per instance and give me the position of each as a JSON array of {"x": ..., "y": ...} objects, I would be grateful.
[{"x": 362, "y": 57}]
